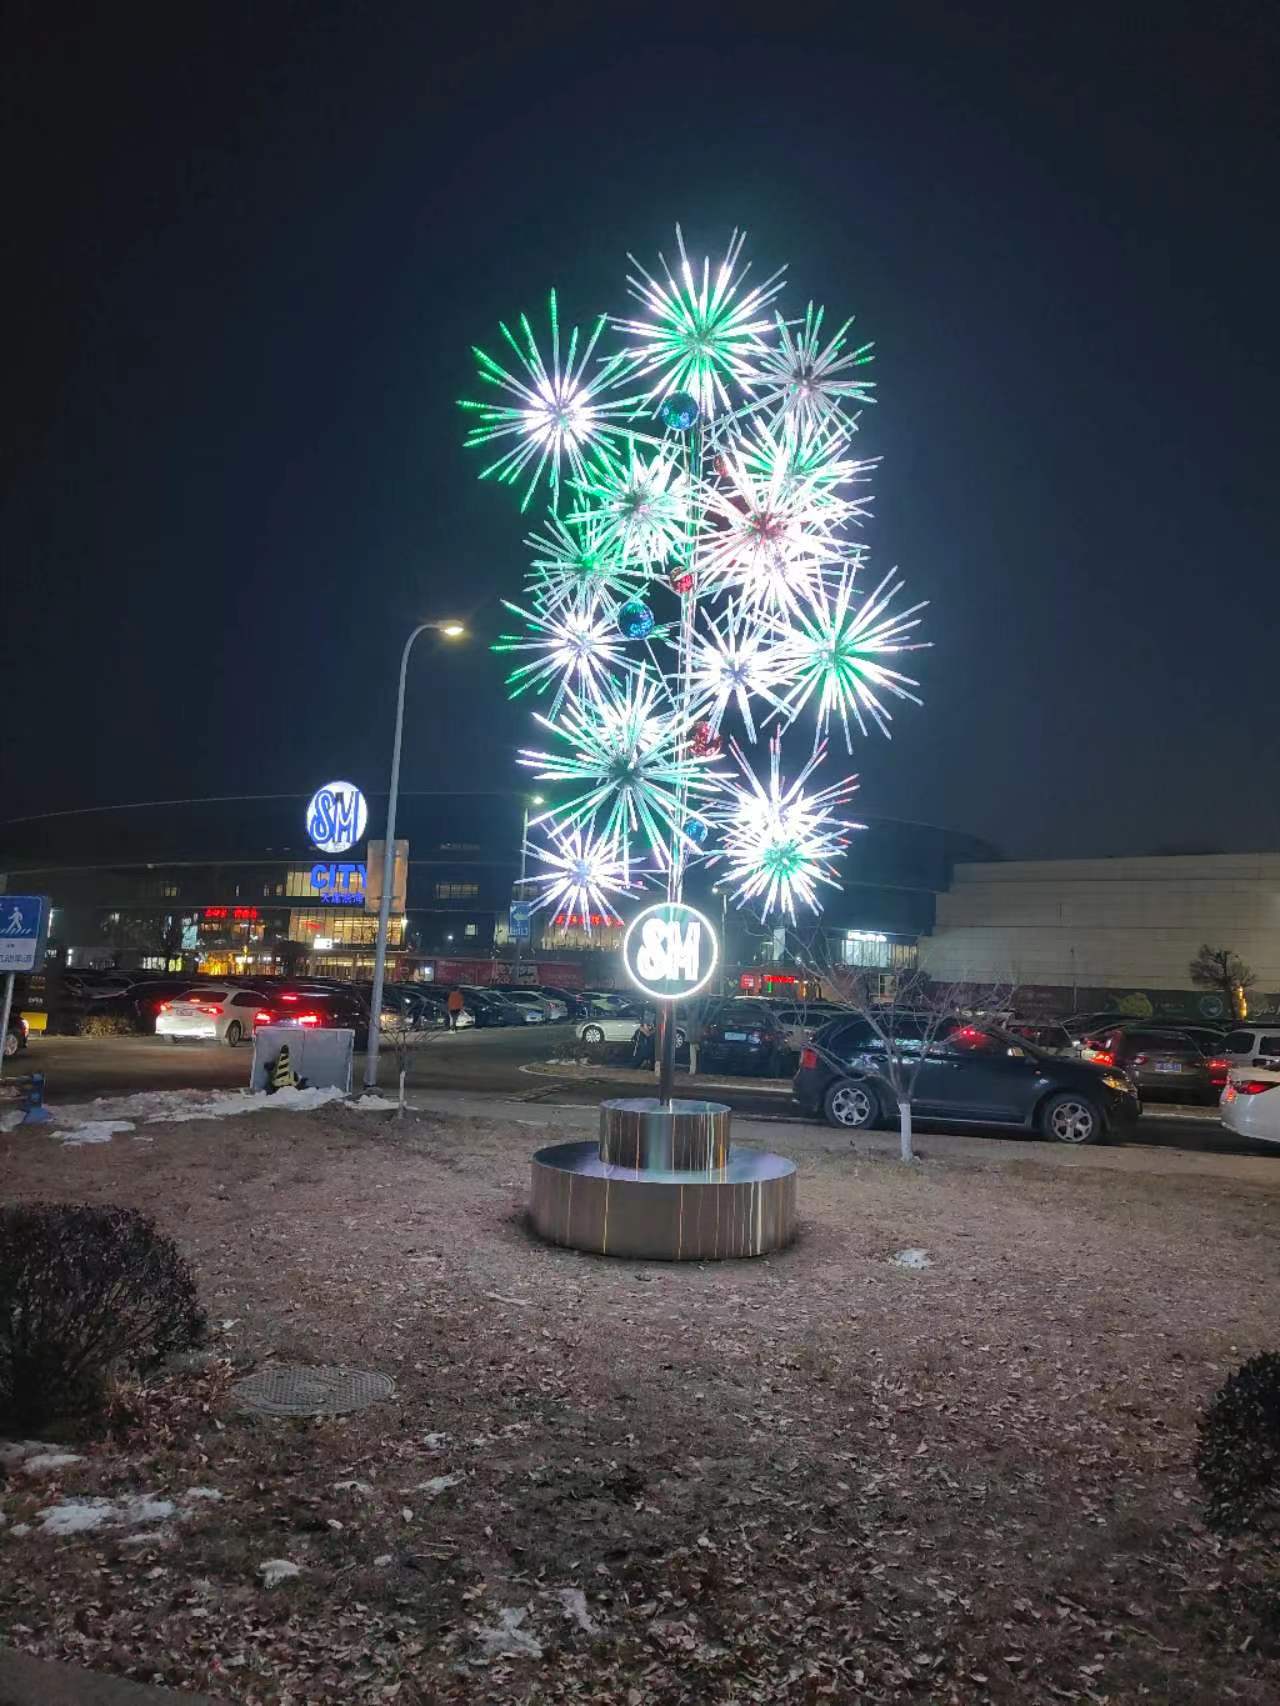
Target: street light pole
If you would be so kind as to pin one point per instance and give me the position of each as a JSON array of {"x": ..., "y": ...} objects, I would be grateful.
[{"x": 452, "y": 631}]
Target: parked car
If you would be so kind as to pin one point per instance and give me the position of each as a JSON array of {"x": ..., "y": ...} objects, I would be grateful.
[
  {"x": 1249, "y": 1107},
  {"x": 799, "y": 1020},
  {"x": 1252, "y": 1045},
  {"x": 15, "y": 1038},
  {"x": 574, "y": 1005},
  {"x": 596, "y": 1001},
  {"x": 219, "y": 1014},
  {"x": 527, "y": 995},
  {"x": 971, "y": 1074},
  {"x": 533, "y": 1007},
  {"x": 325, "y": 1009},
  {"x": 487, "y": 1007},
  {"x": 1165, "y": 1062},
  {"x": 621, "y": 1027},
  {"x": 1049, "y": 1035},
  {"x": 144, "y": 1001},
  {"x": 744, "y": 1034}
]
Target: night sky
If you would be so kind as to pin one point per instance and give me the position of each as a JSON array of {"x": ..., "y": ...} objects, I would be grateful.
[{"x": 249, "y": 246}]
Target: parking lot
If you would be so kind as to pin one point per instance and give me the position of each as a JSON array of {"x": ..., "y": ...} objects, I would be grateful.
[{"x": 516, "y": 1065}]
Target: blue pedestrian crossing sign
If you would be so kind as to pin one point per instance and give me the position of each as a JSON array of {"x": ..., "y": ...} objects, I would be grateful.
[{"x": 23, "y": 920}]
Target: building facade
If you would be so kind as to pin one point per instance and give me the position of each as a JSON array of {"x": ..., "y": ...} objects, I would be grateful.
[
  {"x": 1069, "y": 933},
  {"x": 233, "y": 887}
]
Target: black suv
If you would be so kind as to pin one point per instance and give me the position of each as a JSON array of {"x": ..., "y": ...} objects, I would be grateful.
[{"x": 970, "y": 1074}]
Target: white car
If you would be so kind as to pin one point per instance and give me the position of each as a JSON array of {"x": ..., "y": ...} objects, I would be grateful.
[
  {"x": 1250, "y": 1104},
  {"x": 618, "y": 1028},
  {"x": 1251, "y": 1045},
  {"x": 209, "y": 1015},
  {"x": 607, "y": 1003}
]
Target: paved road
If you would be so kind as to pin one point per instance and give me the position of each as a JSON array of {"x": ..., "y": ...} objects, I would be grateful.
[{"x": 508, "y": 1064}]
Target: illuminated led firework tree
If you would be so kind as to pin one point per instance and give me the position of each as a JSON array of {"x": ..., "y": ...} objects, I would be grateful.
[{"x": 695, "y": 580}]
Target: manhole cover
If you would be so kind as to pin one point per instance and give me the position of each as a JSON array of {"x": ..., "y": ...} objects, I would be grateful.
[{"x": 291, "y": 1391}]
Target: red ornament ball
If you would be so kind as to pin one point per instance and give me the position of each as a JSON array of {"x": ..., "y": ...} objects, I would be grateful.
[
  {"x": 682, "y": 581},
  {"x": 706, "y": 742}
]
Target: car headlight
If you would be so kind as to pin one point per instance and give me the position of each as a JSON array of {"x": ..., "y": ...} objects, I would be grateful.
[{"x": 1116, "y": 1081}]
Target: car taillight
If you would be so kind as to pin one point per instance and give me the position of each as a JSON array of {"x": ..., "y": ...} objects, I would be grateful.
[
  {"x": 262, "y": 1018},
  {"x": 808, "y": 1057},
  {"x": 163, "y": 1007},
  {"x": 1104, "y": 1057},
  {"x": 213, "y": 1012},
  {"x": 1218, "y": 1068},
  {"x": 308, "y": 1018},
  {"x": 1254, "y": 1086},
  {"x": 1139, "y": 1060},
  {"x": 288, "y": 998}
]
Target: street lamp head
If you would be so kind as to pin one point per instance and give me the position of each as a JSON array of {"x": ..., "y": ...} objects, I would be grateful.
[
  {"x": 537, "y": 800},
  {"x": 453, "y": 630}
]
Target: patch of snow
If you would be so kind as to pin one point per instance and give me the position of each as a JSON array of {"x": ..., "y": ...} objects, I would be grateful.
[
  {"x": 14, "y": 1450},
  {"x": 19, "y": 1529},
  {"x": 277, "y": 1570},
  {"x": 211, "y": 1494},
  {"x": 45, "y": 1462},
  {"x": 79, "y": 1516},
  {"x": 372, "y": 1104},
  {"x": 434, "y": 1442},
  {"x": 97, "y": 1121},
  {"x": 912, "y": 1259},
  {"x": 382, "y": 1561},
  {"x": 362, "y": 1487},
  {"x": 505, "y": 1638},
  {"x": 573, "y": 1602},
  {"x": 436, "y": 1485},
  {"x": 92, "y": 1131}
]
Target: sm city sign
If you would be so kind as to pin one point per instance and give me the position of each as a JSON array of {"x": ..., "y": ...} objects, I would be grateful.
[
  {"x": 670, "y": 950},
  {"x": 337, "y": 817}
]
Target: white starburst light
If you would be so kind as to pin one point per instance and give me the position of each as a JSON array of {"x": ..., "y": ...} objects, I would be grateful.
[
  {"x": 583, "y": 873},
  {"x": 559, "y": 413},
  {"x": 639, "y": 508},
  {"x": 734, "y": 659},
  {"x": 702, "y": 333},
  {"x": 573, "y": 645},
  {"x": 810, "y": 385},
  {"x": 626, "y": 751},
  {"x": 833, "y": 656},
  {"x": 777, "y": 842}
]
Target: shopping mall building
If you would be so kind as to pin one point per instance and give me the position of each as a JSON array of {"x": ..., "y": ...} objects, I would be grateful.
[{"x": 236, "y": 886}]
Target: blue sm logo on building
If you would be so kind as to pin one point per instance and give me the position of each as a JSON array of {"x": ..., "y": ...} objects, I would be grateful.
[{"x": 337, "y": 817}]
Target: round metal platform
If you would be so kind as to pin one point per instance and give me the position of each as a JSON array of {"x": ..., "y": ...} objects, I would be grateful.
[{"x": 662, "y": 1184}]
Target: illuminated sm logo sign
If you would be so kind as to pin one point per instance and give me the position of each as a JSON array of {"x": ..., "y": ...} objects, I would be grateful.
[
  {"x": 670, "y": 950},
  {"x": 337, "y": 817}
]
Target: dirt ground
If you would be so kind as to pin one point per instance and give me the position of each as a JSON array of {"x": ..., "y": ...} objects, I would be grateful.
[{"x": 820, "y": 1476}]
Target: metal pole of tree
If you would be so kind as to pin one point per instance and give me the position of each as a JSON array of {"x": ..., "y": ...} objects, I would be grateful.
[
  {"x": 453, "y": 631},
  {"x": 524, "y": 861}
]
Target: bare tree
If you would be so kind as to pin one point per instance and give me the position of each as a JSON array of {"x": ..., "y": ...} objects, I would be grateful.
[
  {"x": 910, "y": 1015},
  {"x": 1223, "y": 970}
]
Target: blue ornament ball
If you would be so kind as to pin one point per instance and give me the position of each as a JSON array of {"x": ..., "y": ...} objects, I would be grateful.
[
  {"x": 635, "y": 619},
  {"x": 678, "y": 411},
  {"x": 696, "y": 830}
]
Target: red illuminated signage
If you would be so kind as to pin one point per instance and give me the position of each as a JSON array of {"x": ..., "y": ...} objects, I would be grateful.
[{"x": 242, "y": 914}]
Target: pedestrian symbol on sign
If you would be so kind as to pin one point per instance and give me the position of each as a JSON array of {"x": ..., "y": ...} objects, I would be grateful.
[{"x": 15, "y": 926}]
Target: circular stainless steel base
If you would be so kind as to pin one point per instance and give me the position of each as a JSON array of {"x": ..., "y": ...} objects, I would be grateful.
[{"x": 746, "y": 1207}]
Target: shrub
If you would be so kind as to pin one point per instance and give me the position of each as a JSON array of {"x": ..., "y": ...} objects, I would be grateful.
[
  {"x": 1238, "y": 1457},
  {"x": 107, "y": 1025},
  {"x": 85, "y": 1293}
]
